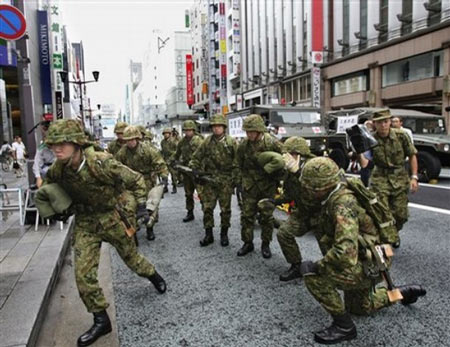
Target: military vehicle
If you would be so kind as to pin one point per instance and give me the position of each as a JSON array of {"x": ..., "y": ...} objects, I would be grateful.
[
  {"x": 429, "y": 134},
  {"x": 291, "y": 120}
]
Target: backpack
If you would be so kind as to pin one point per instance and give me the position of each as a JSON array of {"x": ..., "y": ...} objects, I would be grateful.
[{"x": 376, "y": 209}]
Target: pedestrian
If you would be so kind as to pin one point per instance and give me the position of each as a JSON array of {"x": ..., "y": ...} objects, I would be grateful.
[
  {"x": 389, "y": 178},
  {"x": 185, "y": 149},
  {"x": 168, "y": 149},
  {"x": 397, "y": 123},
  {"x": 115, "y": 145},
  {"x": 346, "y": 233},
  {"x": 43, "y": 158},
  {"x": 297, "y": 153},
  {"x": 95, "y": 182},
  {"x": 19, "y": 153},
  {"x": 216, "y": 157},
  {"x": 144, "y": 158},
  {"x": 255, "y": 183},
  {"x": 6, "y": 149}
]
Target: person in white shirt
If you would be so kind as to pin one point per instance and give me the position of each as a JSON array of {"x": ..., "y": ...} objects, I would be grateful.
[
  {"x": 19, "y": 155},
  {"x": 397, "y": 122},
  {"x": 6, "y": 148}
]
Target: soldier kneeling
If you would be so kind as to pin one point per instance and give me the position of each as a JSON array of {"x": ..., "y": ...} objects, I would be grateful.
[{"x": 345, "y": 229}]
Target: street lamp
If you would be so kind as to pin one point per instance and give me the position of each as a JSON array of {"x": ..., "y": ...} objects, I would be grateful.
[{"x": 80, "y": 83}]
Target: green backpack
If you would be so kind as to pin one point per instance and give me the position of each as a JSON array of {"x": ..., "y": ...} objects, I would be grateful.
[{"x": 380, "y": 213}]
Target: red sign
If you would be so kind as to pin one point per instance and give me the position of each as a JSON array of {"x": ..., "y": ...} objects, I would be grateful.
[
  {"x": 12, "y": 23},
  {"x": 189, "y": 86},
  {"x": 317, "y": 26}
]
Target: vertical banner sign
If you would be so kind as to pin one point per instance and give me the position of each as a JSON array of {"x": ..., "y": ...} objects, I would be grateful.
[
  {"x": 317, "y": 32},
  {"x": 223, "y": 55},
  {"x": 189, "y": 87},
  {"x": 44, "y": 57},
  {"x": 59, "y": 105},
  {"x": 315, "y": 85}
]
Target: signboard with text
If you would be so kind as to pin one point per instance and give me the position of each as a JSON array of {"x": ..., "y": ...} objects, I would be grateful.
[
  {"x": 345, "y": 122},
  {"x": 315, "y": 85},
  {"x": 44, "y": 57},
  {"x": 189, "y": 86}
]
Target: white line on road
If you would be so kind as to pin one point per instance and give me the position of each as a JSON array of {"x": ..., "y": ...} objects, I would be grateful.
[
  {"x": 433, "y": 186},
  {"x": 429, "y": 208}
]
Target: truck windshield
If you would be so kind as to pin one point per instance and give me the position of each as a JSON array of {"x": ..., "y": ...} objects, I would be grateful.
[
  {"x": 428, "y": 126},
  {"x": 304, "y": 117}
]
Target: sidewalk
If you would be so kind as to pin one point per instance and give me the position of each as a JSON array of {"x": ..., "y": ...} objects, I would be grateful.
[{"x": 30, "y": 262}]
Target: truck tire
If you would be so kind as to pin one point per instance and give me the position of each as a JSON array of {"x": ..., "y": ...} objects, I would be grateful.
[
  {"x": 429, "y": 166},
  {"x": 340, "y": 158}
]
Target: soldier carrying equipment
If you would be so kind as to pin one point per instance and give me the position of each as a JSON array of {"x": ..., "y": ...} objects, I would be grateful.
[
  {"x": 361, "y": 139},
  {"x": 199, "y": 177}
]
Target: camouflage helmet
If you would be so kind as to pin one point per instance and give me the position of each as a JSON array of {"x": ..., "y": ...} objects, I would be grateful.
[
  {"x": 254, "y": 122},
  {"x": 66, "y": 130},
  {"x": 120, "y": 127},
  {"x": 148, "y": 135},
  {"x": 381, "y": 114},
  {"x": 167, "y": 130},
  {"x": 132, "y": 132},
  {"x": 218, "y": 119},
  {"x": 189, "y": 125},
  {"x": 320, "y": 174},
  {"x": 296, "y": 144}
]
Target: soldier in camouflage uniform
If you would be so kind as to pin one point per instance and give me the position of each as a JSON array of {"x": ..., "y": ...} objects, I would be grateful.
[
  {"x": 342, "y": 224},
  {"x": 185, "y": 148},
  {"x": 215, "y": 156},
  {"x": 168, "y": 149},
  {"x": 255, "y": 183},
  {"x": 145, "y": 159},
  {"x": 115, "y": 145},
  {"x": 95, "y": 182},
  {"x": 389, "y": 178},
  {"x": 147, "y": 135},
  {"x": 296, "y": 154}
]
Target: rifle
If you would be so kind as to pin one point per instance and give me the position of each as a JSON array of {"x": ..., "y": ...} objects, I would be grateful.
[
  {"x": 201, "y": 178},
  {"x": 128, "y": 227}
]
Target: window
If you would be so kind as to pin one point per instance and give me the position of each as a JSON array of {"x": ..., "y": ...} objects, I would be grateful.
[
  {"x": 406, "y": 17},
  {"x": 346, "y": 28},
  {"x": 383, "y": 25},
  {"x": 434, "y": 12},
  {"x": 412, "y": 69},
  {"x": 363, "y": 24},
  {"x": 352, "y": 83}
]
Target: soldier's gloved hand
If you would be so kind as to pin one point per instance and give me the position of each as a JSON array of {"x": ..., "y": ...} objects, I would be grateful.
[
  {"x": 142, "y": 213},
  {"x": 309, "y": 268},
  {"x": 290, "y": 163}
]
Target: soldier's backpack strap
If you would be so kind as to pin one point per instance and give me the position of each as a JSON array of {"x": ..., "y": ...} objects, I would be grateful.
[{"x": 95, "y": 164}]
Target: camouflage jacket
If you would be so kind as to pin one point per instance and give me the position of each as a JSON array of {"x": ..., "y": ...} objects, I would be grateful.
[
  {"x": 186, "y": 148},
  {"x": 217, "y": 157},
  {"x": 144, "y": 159},
  {"x": 114, "y": 146},
  {"x": 342, "y": 219},
  {"x": 98, "y": 185},
  {"x": 389, "y": 159},
  {"x": 251, "y": 173},
  {"x": 168, "y": 148}
]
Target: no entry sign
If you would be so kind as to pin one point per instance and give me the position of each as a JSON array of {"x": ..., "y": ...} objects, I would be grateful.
[{"x": 12, "y": 23}]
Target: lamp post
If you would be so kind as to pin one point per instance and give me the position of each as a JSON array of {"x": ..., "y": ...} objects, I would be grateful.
[{"x": 80, "y": 84}]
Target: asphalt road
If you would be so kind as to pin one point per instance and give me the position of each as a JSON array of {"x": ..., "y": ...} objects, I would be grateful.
[{"x": 215, "y": 298}]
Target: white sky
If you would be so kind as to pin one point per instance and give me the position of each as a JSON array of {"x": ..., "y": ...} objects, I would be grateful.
[{"x": 115, "y": 31}]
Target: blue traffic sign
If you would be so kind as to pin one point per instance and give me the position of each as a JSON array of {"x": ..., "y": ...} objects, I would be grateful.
[{"x": 12, "y": 23}]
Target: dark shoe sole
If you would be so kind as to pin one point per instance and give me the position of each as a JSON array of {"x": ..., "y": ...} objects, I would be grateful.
[
  {"x": 287, "y": 279},
  {"x": 224, "y": 243},
  {"x": 204, "y": 244},
  {"x": 333, "y": 342},
  {"x": 84, "y": 344}
]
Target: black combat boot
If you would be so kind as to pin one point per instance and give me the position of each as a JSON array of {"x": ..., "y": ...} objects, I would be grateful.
[
  {"x": 342, "y": 329},
  {"x": 158, "y": 282},
  {"x": 208, "y": 239},
  {"x": 224, "y": 237},
  {"x": 396, "y": 244},
  {"x": 292, "y": 273},
  {"x": 245, "y": 249},
  {"x": 150, "y": 233},
  {"x": 189, "y": 216},
  {"x": 174, "y": 189},
  {"x": 102, "y": 326},
  {"x": 136, "y": 240},
  {"x": 265, "y": 250},
  {"x": 165, "y": 190},
  {"x": 411, "y": 293},
  {"x": 276, "y": 223}
]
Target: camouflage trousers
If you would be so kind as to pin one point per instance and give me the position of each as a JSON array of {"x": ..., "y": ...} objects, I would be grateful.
[
  {"x": 210, "y": 195},
  {"x": 288, "y": 231},
  {"x": 153, "y": 199},
  {"x": 250, "y": 210},
  {"x": 89, "y": 234},
  {"x": 174, "y": 176},
  {"x": 189, "y": 189},
  {"x": 359, "y": 297}
]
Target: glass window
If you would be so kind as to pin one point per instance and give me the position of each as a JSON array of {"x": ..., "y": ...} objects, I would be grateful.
[
  {"x": 383, "y": 25},
  {"x": 363, "y": 24},
  {"x": 346, "y": 28},
  {"x": 434, "y": 13},
  {"x": 296, "y": 117},
  {"x": 406, "y": 17},
  {"x": 353, "y": 83}
]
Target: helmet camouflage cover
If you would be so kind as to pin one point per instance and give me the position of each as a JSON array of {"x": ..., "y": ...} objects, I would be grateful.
[
  {"x": 132, "y": 132},
  {"x": 167, "y": 130},
  {"x": 254, "y": 122},
  {"x": 320, "y": 174},
  {"x": 296, "y": 144},
  {"x": 218, "y": 119},
  {"x": 66, "y": 130},
  {"x": 120, "y": 127},
  {"x": 189, "y": 125}
]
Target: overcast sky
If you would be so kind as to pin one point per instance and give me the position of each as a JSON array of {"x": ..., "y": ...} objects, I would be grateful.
[{"x": 115, "y": 31}]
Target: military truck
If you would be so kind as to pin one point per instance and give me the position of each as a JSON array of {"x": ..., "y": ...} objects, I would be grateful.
[
  {"x": 291, "y": 120},
  {"x": 429, "y": 134}
]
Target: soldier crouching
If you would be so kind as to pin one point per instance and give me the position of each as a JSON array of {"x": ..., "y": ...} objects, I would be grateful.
[{"x": 95, "y": 182}]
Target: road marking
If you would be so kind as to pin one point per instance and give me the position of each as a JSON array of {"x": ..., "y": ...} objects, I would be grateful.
[
  {"x": 429, "y": 208},
  {"x": 433, "y": 186}
]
